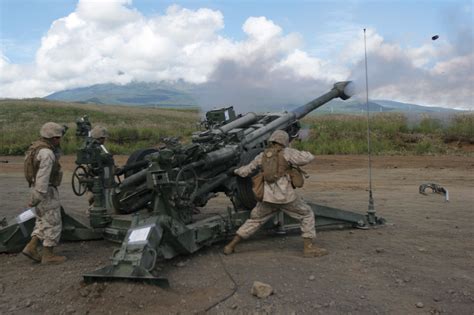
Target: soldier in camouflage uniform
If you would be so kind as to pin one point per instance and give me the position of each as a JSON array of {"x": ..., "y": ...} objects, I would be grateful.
[
  {"x": 99, "y": 134},
  {"x": 43, "y": 172},
  {"x": 279, "y": 194}
]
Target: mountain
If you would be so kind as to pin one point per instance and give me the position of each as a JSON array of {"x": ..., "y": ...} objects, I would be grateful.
[
  {"x": 379, "y": 106},
  {"x": 406, "y": 107},
  {"x": 182, "y": 94},
  {"x": 135, "y": 93}
]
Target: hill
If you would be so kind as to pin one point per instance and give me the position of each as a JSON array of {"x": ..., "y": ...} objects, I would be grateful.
[
  {"x": 181, "y": 94},
  {"x": 135, "y": 93}
]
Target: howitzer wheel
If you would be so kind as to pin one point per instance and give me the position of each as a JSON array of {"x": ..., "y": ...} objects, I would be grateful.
[
  {"x": 79, "y": 187},
  {"x": 245, "y": 197},
  {"x": 186, "y": 183},
  {"x": 138, "y": 156}
]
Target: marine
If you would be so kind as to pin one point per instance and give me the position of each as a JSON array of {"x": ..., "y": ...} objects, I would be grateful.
[
  {"x": 44, "y": 175},
  {"x": 99, "y": 135},
  {"x": 279, "y": 194}
]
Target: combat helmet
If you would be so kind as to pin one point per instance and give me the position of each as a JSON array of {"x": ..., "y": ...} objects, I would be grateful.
[
  {"x": 281, "y": 137},
  {"x": 99, "y": 132},
  {"x": 51, "y": 129}
]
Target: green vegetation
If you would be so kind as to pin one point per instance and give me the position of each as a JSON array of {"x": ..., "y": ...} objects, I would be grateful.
[
  {"x": 390, "y": 134},
  {"x": 132, "y": 128}
]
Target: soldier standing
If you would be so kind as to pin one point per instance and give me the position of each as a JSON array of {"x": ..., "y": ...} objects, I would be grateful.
[
  {"x": 278, "y": 193},
  {"x": 98, "y": 134},
  {"x": 44, "y": 175}
]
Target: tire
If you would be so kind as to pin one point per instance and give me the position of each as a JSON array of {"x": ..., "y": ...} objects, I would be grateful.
[
  {"x": 138, "y": 156},
  {"x": 244, "y": 193}
]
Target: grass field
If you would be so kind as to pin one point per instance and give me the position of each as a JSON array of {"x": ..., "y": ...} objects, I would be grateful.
[{"x": 132, "y": 128}]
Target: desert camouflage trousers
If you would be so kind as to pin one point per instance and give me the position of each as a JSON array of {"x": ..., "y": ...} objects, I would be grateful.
[
  {"x": 48, "y": 219},
  {"x": 263, "y": 211}
]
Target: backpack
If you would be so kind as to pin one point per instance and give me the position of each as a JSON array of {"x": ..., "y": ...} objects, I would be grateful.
[
  {"x": 31, "y": 165},
  {"x": 274, "y": 165},
  {"x": 297, "y": 176}
]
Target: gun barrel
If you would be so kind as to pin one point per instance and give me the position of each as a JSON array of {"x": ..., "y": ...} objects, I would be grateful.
[
  {"x": 284, "y": 121},
  {"x": 247, "y": 119},
  {"x": 339, "y": 90}
]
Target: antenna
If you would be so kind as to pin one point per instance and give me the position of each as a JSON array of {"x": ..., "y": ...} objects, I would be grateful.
[{"x": 371, "y": 210}]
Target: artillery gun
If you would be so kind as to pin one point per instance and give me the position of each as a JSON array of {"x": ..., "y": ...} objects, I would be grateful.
[{"x": 151, "y": 211}]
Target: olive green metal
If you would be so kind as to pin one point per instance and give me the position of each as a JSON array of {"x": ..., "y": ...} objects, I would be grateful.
[
  {"x": 152, "y": 210},
  {"x": 15, "y": 234}
]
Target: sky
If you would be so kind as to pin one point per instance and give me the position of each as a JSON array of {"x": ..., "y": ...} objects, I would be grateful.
[{"x": 243, "y": 51}]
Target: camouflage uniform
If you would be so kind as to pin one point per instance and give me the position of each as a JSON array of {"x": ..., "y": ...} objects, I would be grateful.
[
  {"x": 279, "y": 195},
  {"x": 99, "y": 134},
  {"x": 45, "y": 197},
  {"x": 44, "y": 175}
]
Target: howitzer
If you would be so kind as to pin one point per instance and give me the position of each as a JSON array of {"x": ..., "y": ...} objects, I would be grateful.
[
  {"x": 152, "y": 211},
  {"x": 198, "y": 170},
  {"x": 164, "y": 191}
]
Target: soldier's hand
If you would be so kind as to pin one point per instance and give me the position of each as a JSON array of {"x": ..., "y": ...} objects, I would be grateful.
[
  {"x": 231, "y": 171},
  {"x": 118, "y": 171}
]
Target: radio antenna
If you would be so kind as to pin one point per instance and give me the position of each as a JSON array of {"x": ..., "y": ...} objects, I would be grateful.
[{"x": 371, "y": 209}]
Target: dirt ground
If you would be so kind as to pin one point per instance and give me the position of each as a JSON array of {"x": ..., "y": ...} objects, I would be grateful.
[{"x": 420, "y": 262}]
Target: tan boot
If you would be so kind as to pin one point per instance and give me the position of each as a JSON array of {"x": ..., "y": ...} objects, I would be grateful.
[
  {"x": 311, "y": 250},
  {"x": 50, "y": 258},
  {"x": 31, "y": 249},
  {"x": 230, "y": 248}
]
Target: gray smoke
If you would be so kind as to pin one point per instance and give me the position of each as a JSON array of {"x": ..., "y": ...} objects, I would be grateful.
[{"x": 253, "y": 87}]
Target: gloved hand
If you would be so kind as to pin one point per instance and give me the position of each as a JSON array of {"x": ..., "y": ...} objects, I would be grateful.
[
  {"x": 118, "y": 171},
  {"x": 231, "y": 171},
  {"x": 36, "y": 198}
]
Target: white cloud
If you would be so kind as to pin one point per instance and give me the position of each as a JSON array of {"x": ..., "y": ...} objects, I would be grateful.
[
  {"x": 110, "y": 41},
  {"x": 429, "y": 74}
]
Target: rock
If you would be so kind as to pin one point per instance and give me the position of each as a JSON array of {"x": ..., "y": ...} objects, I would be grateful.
[
  {"x": 379, "y": 250},
  {"x": 28, "y": 303},
  {"x": 436, "y": 299},
  {"x": 234, "y": 306},
  {"x": 84, "y": 292},
  {"x": 261, "y": 290},
  {"x": 181, "y": 264},
  {"x": 420, "y": 305},
  {"x": 311, "y": 278},
  {"x": 70, "y": 309}
]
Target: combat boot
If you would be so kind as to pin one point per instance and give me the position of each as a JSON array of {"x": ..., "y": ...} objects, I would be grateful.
[
  {"x": 311, "y": 250},
  {"x": 31, "y": 249},
  {"x": 50, "y": 258},
  {"x": 230, "y": 248}
]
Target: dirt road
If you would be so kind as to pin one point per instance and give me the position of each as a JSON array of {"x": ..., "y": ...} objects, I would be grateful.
[{"x": 421, "y": 262}]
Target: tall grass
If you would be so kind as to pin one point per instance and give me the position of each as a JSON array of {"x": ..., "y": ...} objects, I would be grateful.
[
  {"x": 390, "y": 134},
  {"x": 133, "y": 128},
  {"x": 129, "y": 128}
]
